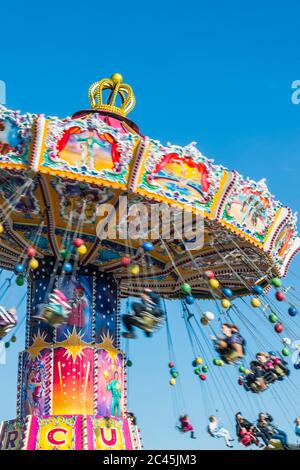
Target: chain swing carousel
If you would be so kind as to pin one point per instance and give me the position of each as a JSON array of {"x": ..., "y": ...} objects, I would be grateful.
[{"x": 57, "y": 176}]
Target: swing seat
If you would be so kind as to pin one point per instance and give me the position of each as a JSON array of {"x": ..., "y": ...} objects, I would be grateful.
[
  {"x": 231, "y": 358},
  {"x": 270, "y": 377},
  {"x": 255, "y": 388},
  {"x": 147, "y": 322},
  {"x": 49, "y": 315},
  {"x": 8, "y": 320},
  {"x": 5, "y": 330},
  {"x": 282, "y": 370}
]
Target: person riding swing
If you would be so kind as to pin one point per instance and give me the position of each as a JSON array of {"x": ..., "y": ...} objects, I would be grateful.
[
  {"x": 231, "y": 347},
  {"x": 185, "y": 426},
  {"x": 56, "y": 312},
  {"x": 146, "y": 315},
  {"x": 249, "y": 434}
]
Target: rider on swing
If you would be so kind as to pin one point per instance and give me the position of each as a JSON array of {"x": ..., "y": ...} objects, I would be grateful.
[
  {"x": 56, "y": 311},
  {"x": 186, "y": 426},
  {"x": 231, "y": 346},
  {"x": 146, "y": 314}
]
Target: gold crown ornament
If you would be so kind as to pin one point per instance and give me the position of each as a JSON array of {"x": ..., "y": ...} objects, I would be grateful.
[{"x": 117, "y": 89}]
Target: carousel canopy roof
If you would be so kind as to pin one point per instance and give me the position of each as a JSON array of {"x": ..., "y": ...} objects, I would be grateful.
[{"x": 56, "y": 174}]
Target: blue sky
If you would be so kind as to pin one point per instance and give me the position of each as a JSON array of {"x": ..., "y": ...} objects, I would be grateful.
[{"x": 218, "y": 73}]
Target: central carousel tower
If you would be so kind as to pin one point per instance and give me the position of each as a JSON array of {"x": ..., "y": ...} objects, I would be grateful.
[
  {"x": 71, "y": 379},
  {"x": 63, "y": 180}
]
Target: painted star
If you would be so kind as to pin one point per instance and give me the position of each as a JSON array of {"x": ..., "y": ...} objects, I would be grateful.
[
  {"x": 73, "y": 344},
  {"x": 38, "y": 345},
  {"x": 107, "y": 345}
]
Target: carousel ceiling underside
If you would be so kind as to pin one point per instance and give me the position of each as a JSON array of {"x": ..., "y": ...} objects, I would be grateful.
[{"x": 47, "y": 198}]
